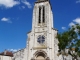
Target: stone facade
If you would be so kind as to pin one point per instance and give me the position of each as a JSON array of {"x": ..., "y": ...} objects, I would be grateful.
[
  {"x": 46, "y": 49},
  {"x": 20, "y": 55}
]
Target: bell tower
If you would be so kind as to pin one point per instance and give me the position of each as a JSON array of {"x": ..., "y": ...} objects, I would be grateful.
[{"x": 42, "y": 41}]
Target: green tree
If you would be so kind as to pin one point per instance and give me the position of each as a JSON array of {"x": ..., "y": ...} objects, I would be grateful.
[{"x": 70, "y": 39}]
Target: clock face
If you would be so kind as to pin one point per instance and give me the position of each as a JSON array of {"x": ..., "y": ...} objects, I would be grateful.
[{"x": 41, "y": 39}]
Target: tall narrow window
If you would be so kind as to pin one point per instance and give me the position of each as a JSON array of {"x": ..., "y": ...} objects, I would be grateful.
[
  {"x": 43, "y": 14},
  {"x": 39, "y": 15}
]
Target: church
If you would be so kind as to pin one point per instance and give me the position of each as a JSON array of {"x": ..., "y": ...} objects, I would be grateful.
[{"x": 42, "y": 43}]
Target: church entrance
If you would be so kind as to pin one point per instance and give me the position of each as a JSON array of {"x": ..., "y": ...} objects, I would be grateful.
[{"x": 40, "y": 56}]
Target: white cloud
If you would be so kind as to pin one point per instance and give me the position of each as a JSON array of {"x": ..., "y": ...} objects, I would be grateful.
[
  {"x": 13, "y": 50},
  {"x": 63, "y": 28},
  {"x": 71, "y": 24},
  {"x": 23, "y": 7},
  {"x": 8, "y": 3},
  {"x": 6, "y": 20},
  {"x": 11, "y": 3},
  {"x": 78, "y": 1},
  {"x": 27, "y": 3},
  {"x": 77, "y": 20}
]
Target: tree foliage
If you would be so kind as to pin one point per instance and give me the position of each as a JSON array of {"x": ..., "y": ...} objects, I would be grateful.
[{"x": 70, "y": 39}]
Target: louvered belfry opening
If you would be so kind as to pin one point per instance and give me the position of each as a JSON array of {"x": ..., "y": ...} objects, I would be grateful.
[{"x": 41, "y": 14}]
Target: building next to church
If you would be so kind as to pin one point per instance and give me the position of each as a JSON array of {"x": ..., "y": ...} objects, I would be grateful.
[
  {"x": 42, "y": 43},
  {"x": 6, "y": 55}
]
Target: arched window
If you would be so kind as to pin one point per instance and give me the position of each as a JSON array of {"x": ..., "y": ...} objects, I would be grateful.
[
  {"x": 41, "y": 39},
  {"x": 39, "y": 21},
  {"x": 43, "y": 14}
]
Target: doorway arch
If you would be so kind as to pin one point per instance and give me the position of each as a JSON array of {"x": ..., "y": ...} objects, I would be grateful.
[{"x": 40, "y": 55}]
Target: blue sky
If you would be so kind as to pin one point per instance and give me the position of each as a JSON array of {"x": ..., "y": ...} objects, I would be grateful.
[{"x": 16, "y": 20}]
